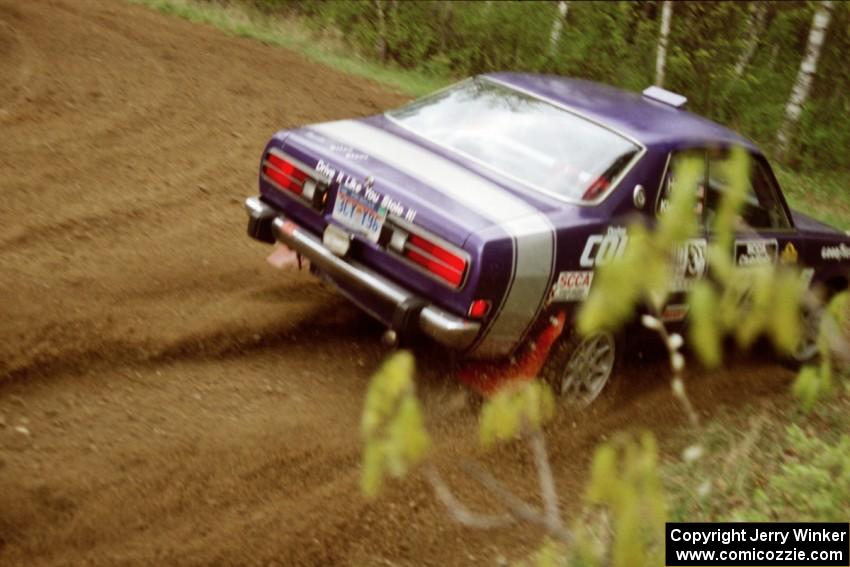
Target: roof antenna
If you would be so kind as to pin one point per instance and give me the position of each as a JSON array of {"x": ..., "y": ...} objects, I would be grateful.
[{"x": 667, "y": 97}]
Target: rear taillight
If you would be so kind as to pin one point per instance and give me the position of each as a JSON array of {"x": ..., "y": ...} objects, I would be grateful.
[
  {"x": 440, "y": 261},
  {"x": 284, "y": 174}
]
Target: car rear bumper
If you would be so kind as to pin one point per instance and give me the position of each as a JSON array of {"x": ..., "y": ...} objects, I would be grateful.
[{"x": 363, "y": 286}]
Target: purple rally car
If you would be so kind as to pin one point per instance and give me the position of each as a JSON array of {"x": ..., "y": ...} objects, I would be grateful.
[{"x": 472, "y": 214}]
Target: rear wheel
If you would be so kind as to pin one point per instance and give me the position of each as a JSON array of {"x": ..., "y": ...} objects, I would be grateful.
[
  {"x": 810, "y": 318},
  {"x": 580, "y": 367}
]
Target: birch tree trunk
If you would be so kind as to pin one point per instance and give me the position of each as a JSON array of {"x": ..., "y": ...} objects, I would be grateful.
[
  {"x": 663, "y": 37},
  {"x": 808, "y": 67},
  {"x": 558, "y": 26},
  {"x": 754, "y": 27}
]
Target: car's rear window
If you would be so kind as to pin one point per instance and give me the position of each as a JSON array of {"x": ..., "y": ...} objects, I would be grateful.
[{"x": 523, "y": 137}]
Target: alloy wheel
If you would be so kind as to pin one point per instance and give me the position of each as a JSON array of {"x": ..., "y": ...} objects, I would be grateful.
[{"x": 588, "y": 369}]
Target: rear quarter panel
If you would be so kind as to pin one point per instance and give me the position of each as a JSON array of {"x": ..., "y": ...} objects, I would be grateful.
[{"x": 590, "y": 236}]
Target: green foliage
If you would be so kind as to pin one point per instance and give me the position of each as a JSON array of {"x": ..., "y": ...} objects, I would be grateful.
[
  {"x": 514, "y": 410},
  {"x": 816, "y": 381},
  {"x": 392, "y": 425},
  {"x": 838, "y": 311},
  {"x": 625, "y": 480},
  {"x": 812, "y": 383},
  {"x": 745, "y": 302},
  {"x": 753, "y": 301},
  {"x": 812, "y": 484},
  {"x": 736, "y": 172},
  {"x": 705, "y": 332},
  {"x": 678, "y": 223},
  {"x": 783, "y": 321}
]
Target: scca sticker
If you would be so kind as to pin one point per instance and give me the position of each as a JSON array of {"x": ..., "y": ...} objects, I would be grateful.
[
  {"x": 572, "y": 286},
  {"x": 755, "y": 252},
  {"x": 601, "y": 249}
]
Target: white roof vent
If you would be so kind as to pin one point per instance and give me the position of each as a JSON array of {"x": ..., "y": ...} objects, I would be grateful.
[{"x": 667, "y": 97}]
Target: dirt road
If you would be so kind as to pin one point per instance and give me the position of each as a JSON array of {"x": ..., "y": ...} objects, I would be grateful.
[{"x": 167, "y": 398}]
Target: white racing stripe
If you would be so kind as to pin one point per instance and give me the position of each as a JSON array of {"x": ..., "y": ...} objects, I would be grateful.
[
  {"x": 532, "y": 233},
  {"x": 534, "y": 261},
  {"x": 447, "y": 177}
]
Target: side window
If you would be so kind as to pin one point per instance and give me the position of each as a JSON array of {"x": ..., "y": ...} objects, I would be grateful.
[
  {"x": 667, "y": 181},
  {"x": 762, "y": 208}
]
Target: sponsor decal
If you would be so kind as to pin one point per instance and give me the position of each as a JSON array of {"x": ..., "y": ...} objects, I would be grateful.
[
  {"x": 690, "y": 264},
  {"x": 348, "y": 152},
  {"x": 755, "y": 252},
  {"x": 664, "y": 202},
  {"x": 789, "y": 254},
  {"x": 314, "y": 135},
  {"x": 601, "y": 249},
  {"x": 839, "y": 252},
  {"x": 324, "y": 168},
  {"x": 365, "y": 190},
  {"x": 572, "y": 286}
]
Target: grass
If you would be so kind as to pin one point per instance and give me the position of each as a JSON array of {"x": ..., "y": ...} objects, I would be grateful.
[
  {"x": 767, "y": 463},
  {"x": 244, "y": 21},
  {"x": 823, "y": 195}
]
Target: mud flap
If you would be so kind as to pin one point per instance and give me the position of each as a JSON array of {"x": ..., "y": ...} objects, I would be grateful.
[
  {"x": 261, "y": 229},
  {"x": 406, "y": 317},
  {"x": 486, "y": 378}
]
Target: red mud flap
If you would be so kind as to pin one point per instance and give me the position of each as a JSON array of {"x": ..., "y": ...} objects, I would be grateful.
[{"x": 486, "y": 378}]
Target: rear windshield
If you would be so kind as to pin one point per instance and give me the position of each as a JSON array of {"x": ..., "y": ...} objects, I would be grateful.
[{"x": 528, "y": 139}]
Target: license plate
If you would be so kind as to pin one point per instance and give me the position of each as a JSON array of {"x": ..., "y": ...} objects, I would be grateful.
[{"x": 359, "y": 215}]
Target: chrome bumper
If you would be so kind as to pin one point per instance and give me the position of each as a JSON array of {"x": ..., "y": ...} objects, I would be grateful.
[{"x": 445, "y": 328}]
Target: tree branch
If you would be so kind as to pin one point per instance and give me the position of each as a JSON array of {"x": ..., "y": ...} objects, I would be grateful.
[
  {"x": 547, "y": 481},
  {"x": 515, "y": 505},
  {"x": 458, "y": 511},
  {"x": 676, "y": 365}
]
